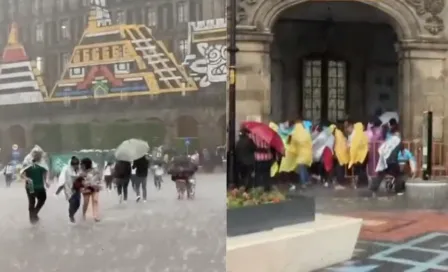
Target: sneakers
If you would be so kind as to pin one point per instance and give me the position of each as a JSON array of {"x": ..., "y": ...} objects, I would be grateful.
[
  {"x": 138, "y": 199},
  {"x": 72, "y": 219}
]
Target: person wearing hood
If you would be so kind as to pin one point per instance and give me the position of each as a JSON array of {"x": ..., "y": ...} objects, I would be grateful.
[
  {"x": 35, "y": 173},
  {"x": 358, "y": 149},
  {"x": 341, "y": 156},
  {"x": 66, "y": 182}
]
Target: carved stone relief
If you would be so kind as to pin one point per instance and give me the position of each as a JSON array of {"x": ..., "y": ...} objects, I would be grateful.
[
  {"x": 243, "y": 8},
  {"x": 430, "y": 11}
]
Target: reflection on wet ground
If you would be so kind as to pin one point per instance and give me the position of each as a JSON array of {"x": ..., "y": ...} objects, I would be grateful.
[{"x": 164, "y": 234}]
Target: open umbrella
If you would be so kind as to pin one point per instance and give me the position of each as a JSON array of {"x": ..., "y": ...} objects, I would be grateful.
[
  {"x": 131, "y": 150},
  {"x": 388, "y": 115},
  {"x": 266, "y": 134}
]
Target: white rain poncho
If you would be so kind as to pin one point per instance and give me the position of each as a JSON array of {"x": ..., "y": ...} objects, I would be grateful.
[{"x": 28, "y": 160}]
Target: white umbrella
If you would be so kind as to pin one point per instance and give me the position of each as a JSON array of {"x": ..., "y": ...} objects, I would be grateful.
[
  {"x": 131, "y": 149},
  {"x": 388, "y": 115}
]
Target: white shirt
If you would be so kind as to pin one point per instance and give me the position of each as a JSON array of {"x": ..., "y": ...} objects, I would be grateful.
[
  {"x": 134, "y": 171},
  {"x": 107, "y": 171}
]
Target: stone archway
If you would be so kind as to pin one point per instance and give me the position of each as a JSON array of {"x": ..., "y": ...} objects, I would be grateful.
[
  {"x": 401, "y": 15},
  {"x": 421, "y": 44}
]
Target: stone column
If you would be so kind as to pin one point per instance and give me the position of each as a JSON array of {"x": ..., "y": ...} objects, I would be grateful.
[
  {"x": 253, "y": 80},
  {"x": 423, "y": 70}
]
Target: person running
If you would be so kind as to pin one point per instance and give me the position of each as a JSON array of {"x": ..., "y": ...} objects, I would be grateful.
[
  {"x": 141, "y": 174},
  {"x": 9, "y": 174},
  {"x": 122, "y": 175},
  {"x": 35, "y": 175},
  {"x": 91, "y": 188},
  {"x": 107, "y": 176},
  {"x": 71, "y": 184}
]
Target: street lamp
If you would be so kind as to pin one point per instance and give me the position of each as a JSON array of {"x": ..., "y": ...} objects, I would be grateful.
[{"x": 232, "y": 49}]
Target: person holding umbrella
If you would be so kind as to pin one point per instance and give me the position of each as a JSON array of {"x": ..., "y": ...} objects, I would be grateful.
[
  {"x": 268, "y": 145},
  {"x": 126, "y": 153}
]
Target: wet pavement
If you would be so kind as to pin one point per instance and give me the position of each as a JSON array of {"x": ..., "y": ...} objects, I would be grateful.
[
  {"x": 164, "y": 234},
  {"x": 397, "y": 234}
]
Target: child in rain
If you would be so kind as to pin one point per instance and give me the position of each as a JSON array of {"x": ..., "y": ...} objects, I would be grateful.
[{"x": 158, "y": 174}]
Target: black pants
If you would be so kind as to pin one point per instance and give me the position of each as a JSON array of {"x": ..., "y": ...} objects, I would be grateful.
[
  {"x": 73, "y": 204},
  {"x": 108, "y": 180},
  {"x": 262, "y": 174},
  {"x": 140, "y": 182},
  {"x": 122, "y": 187},
  {"x": 133, "y": 182},
  {"x": 393, "y": 170},
  {"x": 360, "y": 170},
  {"x": 244, "y": 175},
  {"x": 338, "y": 172},
  {"x": 36, "y": 201}
]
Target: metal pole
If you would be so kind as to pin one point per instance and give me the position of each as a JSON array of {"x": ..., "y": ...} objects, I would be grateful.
[
  {"x": 232, "y": 49},
  {"x": 427, "y": 147}
]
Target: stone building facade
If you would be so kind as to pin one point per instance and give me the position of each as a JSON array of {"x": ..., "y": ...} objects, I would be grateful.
[
  {"x": 90, "y": 101},
  {"x": 368, "y": 54}
]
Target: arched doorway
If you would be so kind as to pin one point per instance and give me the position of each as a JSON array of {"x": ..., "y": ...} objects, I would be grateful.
[
  {"x": 187, "y": 134},
  {"x": 332, "y": 59},
  {"x": 17, "y": 135}
]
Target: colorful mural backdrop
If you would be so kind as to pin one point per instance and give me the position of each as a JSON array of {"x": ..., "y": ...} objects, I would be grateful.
[
  {"x": 207, "y": 52},
  {"x": 117, "y": 60},
  {"x": 20, "y": 80}
]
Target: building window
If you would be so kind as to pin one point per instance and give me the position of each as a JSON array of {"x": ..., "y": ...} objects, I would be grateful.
[
  {"x": 182, "y": 12},
  {"x": 121, "y": 17},
  {"x": 65, "y": 29},
  {"x": 37, "y": 6},
  {"x": 166, "y": 19},
  {"x": 196, "y": 11},
  {"x": 39, "y": 33},
  {"x": 183, "y": 48},
  {"x": 62, "y": 5},
  {"x": 151, "y": 17}
]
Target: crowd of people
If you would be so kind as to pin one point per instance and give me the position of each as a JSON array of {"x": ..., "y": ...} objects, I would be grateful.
[
  {"x": 324, "y": 152},
  {"x": 81, "y": 181}
]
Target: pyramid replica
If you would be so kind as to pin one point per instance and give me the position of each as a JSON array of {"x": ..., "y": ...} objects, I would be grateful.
[
  {"x": 20, "y": 80},
  {"x": 118, "y": 61}
]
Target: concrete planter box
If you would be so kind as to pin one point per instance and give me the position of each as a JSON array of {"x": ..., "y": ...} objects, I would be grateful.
[{"x": 245, "y": 220}]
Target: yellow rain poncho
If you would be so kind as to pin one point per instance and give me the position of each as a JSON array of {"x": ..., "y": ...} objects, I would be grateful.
[
  {"x": 298, "y": 151},
  {"x": 359, "y": 145},
  {"x": 340, "y": 146}
]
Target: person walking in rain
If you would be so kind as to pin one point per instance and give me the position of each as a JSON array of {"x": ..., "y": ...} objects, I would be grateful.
[
  {"x": 35, "y": 173},
  {"x": 72, "y": 190},
  {"x": 9, "y": 174},
  {"x": 91, "y": 188},
  {"x": 122, "y": 175},
  {"x": 107, "y": 176},
  {"x": 141, "y": 174}
]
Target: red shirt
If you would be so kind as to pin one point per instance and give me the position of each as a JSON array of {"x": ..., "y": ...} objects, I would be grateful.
[{"x": 261, "y": 155}]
